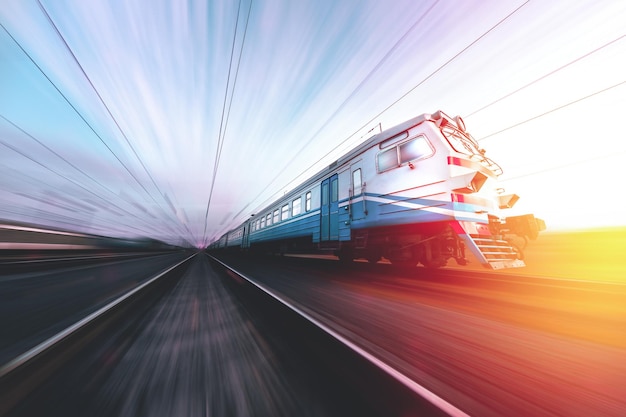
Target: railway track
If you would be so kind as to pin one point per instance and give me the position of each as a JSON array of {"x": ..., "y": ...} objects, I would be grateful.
[
  {"x": 361, "y": 340},
  {"x": 28, "y": 372},
  {"x": 70, "y": 372},
  {"x": 387, "y": 390},
  {"x": 491, "y": 344}
]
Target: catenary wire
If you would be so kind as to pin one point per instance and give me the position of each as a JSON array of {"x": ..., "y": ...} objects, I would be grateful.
[
  {"x": 76, "y": 110},
  {"x": 437, "y": 70},
  {"x": 72, "y": 105},
  {"x": 110, "y": 205},
  {"x": 553, "y": 110},
  {"x": 75, "y": 183},
  {"x": 56, "y": 154},
  {"x": 159, "y": 205},
  {"x": 377, "y": 67},
  {"x": 220, "y": 139},
  {"x": 570, "y": 164},
  {"x": 227, "y": 118},
  {"x": 224, "y": 122},
  {"x": 588, "y": 54},
  {"x": 337, "y": 110}
]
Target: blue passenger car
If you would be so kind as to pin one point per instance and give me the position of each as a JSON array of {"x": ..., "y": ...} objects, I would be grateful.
[{"x": 420, "y": 192}]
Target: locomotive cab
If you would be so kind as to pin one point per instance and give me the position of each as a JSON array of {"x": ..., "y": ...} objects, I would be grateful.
[
  {"x": 477, "y": 201},
  {"x": 496, "y": 241},
  {"x": 435, "y": 195}
]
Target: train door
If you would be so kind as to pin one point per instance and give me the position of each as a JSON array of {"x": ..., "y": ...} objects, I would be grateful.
[
  {"x": 245, "y": 243},
  {"x": 330, "y": 209},
  {"x": 357, "y": 192}
]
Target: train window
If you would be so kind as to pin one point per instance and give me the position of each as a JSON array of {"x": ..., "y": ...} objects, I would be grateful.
[
  {"x": 415, "y": 149},
  {"x": 307, "y": 202},
  {"x": 258, "y": 224},
  {"x": 460, "y": 141},
  {"x": 411, "y": 150},
  {"x": 296, "y": 206},
  {"x": 334, "y": 190},
  {"x": 268, "y": 219},
  {"x": 356, "y": 182},
  {"x": 388, "y": 159},
  {"x": 276, "y": 215},
  {"x": 324, "y": 194},
  {"x": 284, "y": 214},
  {"x": 262, "y": 222}
]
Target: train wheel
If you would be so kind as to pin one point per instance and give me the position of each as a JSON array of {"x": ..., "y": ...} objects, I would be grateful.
[
  {"x": 404, "y": 263},
  {"x": 435, "y": 263},
  {"x": 401, "y": 256},
  {"x": 372, "y": 258},
  {"x": 345, "y": 256}
]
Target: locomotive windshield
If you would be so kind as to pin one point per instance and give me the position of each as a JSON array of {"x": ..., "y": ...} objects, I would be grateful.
[
  {"x": 463, "y": 142},
  {"x": 405, "y": 152}
]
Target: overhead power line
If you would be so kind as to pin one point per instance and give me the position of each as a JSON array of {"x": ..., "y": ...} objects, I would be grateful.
[
  {"x": 337, "y": 110},
  {"x": 226, "y": 113},
  {"x": 446, "y": 63},
  {"x": 570, "y": 164},
  {"x": 73, "y": 107},
  {"x": 220, "y": 139},
  {"x": 588, "y": 54},
  {"x": 64, "y": 177},
  {"x": 77, "y": 112},
  {"x": 158, "y": 204},
  {"x": 553, "y": 110},
  {"x": 57, "y": 154},
  {"x": 67, "y": 162}
]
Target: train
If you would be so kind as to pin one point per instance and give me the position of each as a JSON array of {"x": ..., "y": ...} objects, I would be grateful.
[{"x": 420, "y": 193}]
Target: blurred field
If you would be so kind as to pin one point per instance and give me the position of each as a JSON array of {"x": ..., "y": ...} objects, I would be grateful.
[
  {"x": 595, "y": 255},
  {"x": 589, "y": 255}
]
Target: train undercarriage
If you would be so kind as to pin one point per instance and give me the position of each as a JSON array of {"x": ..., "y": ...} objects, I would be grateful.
[
  {"x": 499, "y": 245},
  {"x": 431, "y": 245}
]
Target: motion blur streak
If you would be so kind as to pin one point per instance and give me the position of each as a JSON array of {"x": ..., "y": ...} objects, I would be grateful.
[
  {"x": 198, "y": 354},
  {"x": 111, "y": 114},
  {"x": 591, "y": 264},
  {"x": 492, "y": 344}
]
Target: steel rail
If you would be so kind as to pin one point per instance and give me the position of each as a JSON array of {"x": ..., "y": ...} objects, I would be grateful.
[
  {"x": 23, "y": 374},
  {"x": 440, "y": 404}
]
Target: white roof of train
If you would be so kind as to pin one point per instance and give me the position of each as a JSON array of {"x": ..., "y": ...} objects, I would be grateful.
[{"x": 367, "y": 144}]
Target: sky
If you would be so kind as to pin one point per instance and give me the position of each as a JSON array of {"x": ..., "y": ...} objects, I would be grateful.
[{"x": 176, "y": 120}]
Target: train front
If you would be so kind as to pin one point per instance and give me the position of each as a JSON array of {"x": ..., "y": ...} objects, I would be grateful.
[{"x": 496, "y": 241}]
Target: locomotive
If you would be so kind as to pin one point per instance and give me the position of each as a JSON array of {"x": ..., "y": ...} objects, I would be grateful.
[{"x": 422, "y": 192}]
